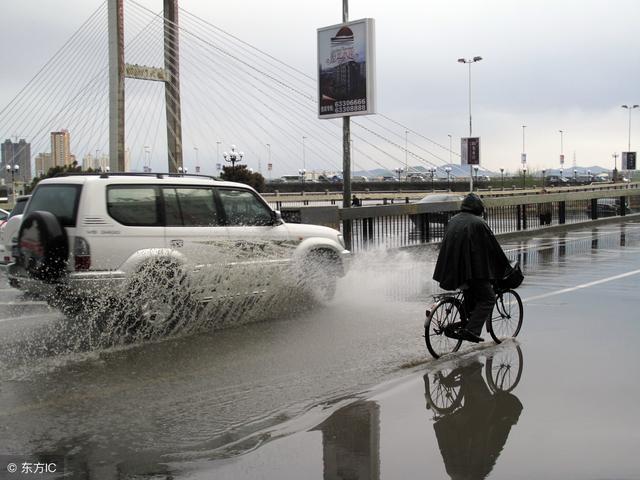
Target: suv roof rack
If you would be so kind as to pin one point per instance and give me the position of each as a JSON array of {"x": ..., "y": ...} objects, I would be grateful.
[{"x": 135, "y": 174}]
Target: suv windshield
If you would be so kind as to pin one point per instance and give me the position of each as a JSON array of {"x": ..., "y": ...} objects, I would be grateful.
[{"x": 61, "y": 200}]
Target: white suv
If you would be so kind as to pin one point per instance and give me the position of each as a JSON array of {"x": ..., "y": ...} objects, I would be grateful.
[{"x": 155, "y": 238}]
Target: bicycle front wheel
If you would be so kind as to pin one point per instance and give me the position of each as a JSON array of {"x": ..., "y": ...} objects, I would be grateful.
[
  {"x": 506, "y": 317},
  {"x": 443, "y": 318}
]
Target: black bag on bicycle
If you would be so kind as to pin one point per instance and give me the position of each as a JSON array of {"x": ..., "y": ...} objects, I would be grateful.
[{"x": 513, "y": 279}]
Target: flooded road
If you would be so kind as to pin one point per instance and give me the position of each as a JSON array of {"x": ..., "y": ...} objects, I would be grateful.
[{"x": 347, "y": 390}]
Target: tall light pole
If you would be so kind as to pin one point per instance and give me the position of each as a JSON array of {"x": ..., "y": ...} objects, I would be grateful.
[
  {"x": 502, "y": 178},
  {"x": 523, "y": 157},
  {"x": 524, "y": 177},
  {"x": 304, "y": 166},
  {"x": 269, "y": 166},
  {"x": 406, "y": 151},
  {"x": 450, "y": 146},
  {"x": 561, "y": 147},
  {"x": 147, "y": 159},
  {"x": 629, "y": 107},
  {"x": 470, "y": 61},
  {"x": 232, "y": 157},
  {"x": 195, "y": 149},
  {"x": 218, "y": 151},
  {"x": 448, "y": 170}
]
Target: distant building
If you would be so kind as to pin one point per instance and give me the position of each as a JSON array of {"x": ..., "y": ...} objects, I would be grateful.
[
  {"x": 43, "y": 163},
  {"x": 16, "y": 154},
  {"x": 60, "y": 148}
]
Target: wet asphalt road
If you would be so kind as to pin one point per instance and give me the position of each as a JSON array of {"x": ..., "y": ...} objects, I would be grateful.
[{"x": 341, "y": 391}]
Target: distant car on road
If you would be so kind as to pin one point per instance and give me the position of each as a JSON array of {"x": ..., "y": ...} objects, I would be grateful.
[
  {"x": 556, "y": 181},
  {"x": 359, "y": 179}
]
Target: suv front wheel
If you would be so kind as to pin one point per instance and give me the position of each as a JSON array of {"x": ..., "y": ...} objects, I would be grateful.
[{"x": 320, "y": 271}]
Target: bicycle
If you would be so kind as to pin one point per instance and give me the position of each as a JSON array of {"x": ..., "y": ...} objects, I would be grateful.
[{"x": 448, "y": 314}]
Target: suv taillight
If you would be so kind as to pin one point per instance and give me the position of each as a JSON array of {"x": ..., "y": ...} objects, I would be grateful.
[{"x": 81, "y": 254}]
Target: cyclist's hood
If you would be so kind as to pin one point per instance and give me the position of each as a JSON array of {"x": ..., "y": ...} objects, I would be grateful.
[{"x": 472, "y": 204}]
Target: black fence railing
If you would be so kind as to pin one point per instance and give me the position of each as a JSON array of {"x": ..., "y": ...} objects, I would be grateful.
[{"x": 396, "y": 226}]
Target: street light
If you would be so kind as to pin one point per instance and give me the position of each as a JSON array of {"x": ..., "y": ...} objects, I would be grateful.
[
  {"x": 502, "y": 178},
  {"x": 524, "y": 177},
  {"x": 303, "y": 153},
  {"x": 628, "y": 107},
  {"x": 218, "y": 151},
  {"x": 147, "y": 159},
  {"x": 470, "y": 61},
  {"x": 197, "y": 163},
  {"x": 575, "y": 175},
  {"x": 182, "y": 170},
  {"x": 13, "y": 171},
  {"x": 588, "y": 175},
  {"x": 232, "y": 156},
  {"x": 432, "y": 171},
  {"x": 561, "y": 147},
  {"x": 450, "y": 146},
  {"x": 475, "y": 168},
  {"x": 302, "y": 172},
  {"x": 448, "y": 170},
  {"x": 399, "y": 171},
  {"x": 269, "y": 166},
  {"x": 523, "y": 157},
  {"x": 543, "y": 172}
]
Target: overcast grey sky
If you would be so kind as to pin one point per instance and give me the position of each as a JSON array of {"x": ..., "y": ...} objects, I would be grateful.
[{"x": 550, "y": 65}]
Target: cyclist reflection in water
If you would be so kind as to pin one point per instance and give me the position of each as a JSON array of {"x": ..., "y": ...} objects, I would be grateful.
[
  {"x": 473, "y": 429},
  {"x": 471, "y": 259}
]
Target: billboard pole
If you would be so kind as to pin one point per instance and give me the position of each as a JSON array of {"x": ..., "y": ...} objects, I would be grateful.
[{"x": 346, "y": 154}]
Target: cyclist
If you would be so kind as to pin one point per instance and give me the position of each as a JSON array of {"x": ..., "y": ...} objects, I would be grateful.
[{"x": 470, "y": 259}]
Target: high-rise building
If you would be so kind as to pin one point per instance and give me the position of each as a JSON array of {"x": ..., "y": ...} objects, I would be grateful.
[
  {"x": 60, "y": 149},
  {"x": 43, "y": 163},
  {"x": 16, "y": 154}
]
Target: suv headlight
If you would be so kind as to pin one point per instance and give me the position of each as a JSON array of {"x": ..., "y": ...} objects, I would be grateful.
[{"x": 341, "y": 240}]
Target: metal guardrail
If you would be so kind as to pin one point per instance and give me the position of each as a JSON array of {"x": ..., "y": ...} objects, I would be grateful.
[{"x": 401, "y": 225}]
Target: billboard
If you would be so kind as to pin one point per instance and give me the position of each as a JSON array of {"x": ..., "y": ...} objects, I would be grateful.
[
  {"x": 346, "y": 70},
  {"x": 628, "y": 160},
  {"x": 470, "y": 151}
]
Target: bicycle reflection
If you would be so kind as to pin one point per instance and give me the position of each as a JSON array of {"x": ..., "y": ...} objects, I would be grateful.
[{"x": 473, "y": 417}]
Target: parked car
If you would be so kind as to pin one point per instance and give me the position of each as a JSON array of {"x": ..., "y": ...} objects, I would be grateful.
[
  {"x": 556, "y": 181},
  {"x": 163, "y": 238},
  {"x": 3, "y": 216},
  {"x": 9, "y": 230},
  {"x": 359, "y": 179}
]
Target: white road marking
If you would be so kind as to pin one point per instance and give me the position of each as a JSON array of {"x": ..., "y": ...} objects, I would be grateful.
[{"x": 584, "y": 285}]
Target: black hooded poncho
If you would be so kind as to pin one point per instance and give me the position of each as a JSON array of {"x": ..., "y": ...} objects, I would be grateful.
[{"x": 469, "y": 250}]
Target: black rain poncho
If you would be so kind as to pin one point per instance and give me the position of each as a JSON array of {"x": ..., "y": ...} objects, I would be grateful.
[{"x": 469, "y": 250}]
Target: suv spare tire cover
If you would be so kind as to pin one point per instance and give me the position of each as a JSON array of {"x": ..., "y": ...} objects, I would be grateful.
[{"x": 44, "y": 250}]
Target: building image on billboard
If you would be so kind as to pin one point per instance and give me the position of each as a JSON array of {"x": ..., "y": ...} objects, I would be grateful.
[{"x": 345, "y": 75}]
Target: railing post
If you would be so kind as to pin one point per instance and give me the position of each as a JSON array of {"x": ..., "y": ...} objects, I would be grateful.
[
  {"x": 562, "y": 212},
  {"x": 594, "y": 209},
  {"x": 518, "y": 217},
  {"x": 623, "y": 206},
  {"x": 524, "y": 217}
]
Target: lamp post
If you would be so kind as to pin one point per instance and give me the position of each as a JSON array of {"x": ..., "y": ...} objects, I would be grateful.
[
  {"x": 432, "y": 171},
  {"x": 183, "y": 170},
  {"x": 303, "y": 153},
  {"x": 523, "y": 157},
  {"x": 232, "y": 157},
  {"x": 561, "y": 147},
  {"x": 575, "y": 175},
  {"x": 302, "y": 172},
  {"x": 502, "y": 178},
  {"x": 218, "y": 151},
  {"x": 147, "y": 159},
  {"x": 543, "y": 172},
  {"x": 406, "y": 151},
  {"x": 470, "y": 61},
  {"x": 475, "y": 170},
  {"x": 615, "y": 166},
  {"x": 13, "y": 170},
  {"x": 524, "y": 177},
  {"x": 268, "y": 145},
  {"x": 195, "y": 149},
  {"x": 448, "y": 170},
  {"x": 450, "y": 146},
  {"x": 588, "y": 175},
  {"x": 561, "y": 177},
  {"x": 630, "y": 107},
  {"x": 399, "y": 171}
]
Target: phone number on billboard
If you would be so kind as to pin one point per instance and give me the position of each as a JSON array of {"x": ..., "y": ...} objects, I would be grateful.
[{"x": 346, "y": 106}]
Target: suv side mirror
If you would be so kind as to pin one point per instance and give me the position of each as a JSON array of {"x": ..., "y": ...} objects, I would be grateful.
[{"x": 276, "y": 217}]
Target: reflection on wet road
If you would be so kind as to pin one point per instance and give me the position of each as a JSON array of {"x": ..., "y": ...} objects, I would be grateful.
[{"x": 339, "y": 391}]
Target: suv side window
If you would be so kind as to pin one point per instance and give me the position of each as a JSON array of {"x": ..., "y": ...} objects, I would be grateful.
[
  {"x": 61, "y": 200},
  {"x": 134, "y": 205},
  {"x": 190, "y": 207},
  {"x": 242, "y": 207}
]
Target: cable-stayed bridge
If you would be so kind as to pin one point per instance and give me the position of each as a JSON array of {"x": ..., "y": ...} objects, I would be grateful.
[{"x": 230, "y": 92}]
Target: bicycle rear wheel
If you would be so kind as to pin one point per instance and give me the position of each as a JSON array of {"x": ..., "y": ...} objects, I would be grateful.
[
  {"x": 506, "y": 317},
  {"x": 443, "y": 317}
]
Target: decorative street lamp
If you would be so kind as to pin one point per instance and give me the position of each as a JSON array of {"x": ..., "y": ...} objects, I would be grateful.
[
  {"x": 233, "y": 156},
  {"x": 182, "y": 170},
  {"x": 475, "y": 168},
  {"x": 302, "y": 172},
  {"x": 399, "y": 172},
  {"x": 448, "y": 170},
  {"x": 575, "y": 175},
  {"x": 561, "y": 147},
  {"x": 630, "y": 107},
  {"x": 615, "y": 167},
  {"x": 432, "y": 171},
  {"x": 13, "y": 171},
  {"x": 524, "y": 177},
  {"x": 502, "y": 178},
  {"x": 470, "y": 61},
  {"x": 269, "y": 166},
  {"x": 218, "y": 152},
  {"x": 543, "y": 172},
  {"x": 197, "y": 162}
]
